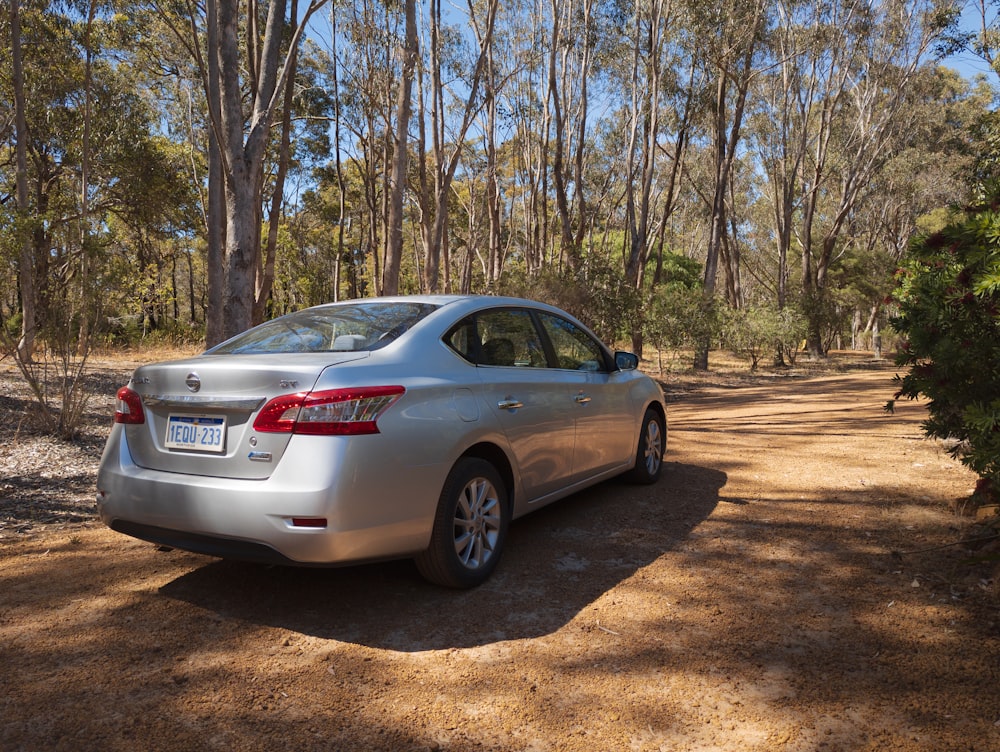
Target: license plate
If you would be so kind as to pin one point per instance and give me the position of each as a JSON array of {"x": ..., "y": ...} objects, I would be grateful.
[{"x": 196, "y": 433}]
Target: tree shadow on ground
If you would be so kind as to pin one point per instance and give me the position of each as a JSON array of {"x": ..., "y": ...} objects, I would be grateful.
[{"x": 558, "y": 560}]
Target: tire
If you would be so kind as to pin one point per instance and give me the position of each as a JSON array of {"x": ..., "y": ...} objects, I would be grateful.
[
  {"x": 470, "y": 526},
  {"x": 652, "y": 445}
]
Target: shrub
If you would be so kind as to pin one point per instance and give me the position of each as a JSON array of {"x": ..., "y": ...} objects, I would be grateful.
[
  {"x": 949, "y": 311},
  {"x": 760, "y": 330},
  {"x": 680, "y": 316},
  {"x": 597, "y": 294}
]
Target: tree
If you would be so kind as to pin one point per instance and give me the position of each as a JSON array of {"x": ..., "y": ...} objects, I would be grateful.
[
  {"x": 857, "y": 127},
  {"x": 26, "y": 276},
  {"x": 400, "y": 154},
  {"x": 79, "y": 128},
  {"x": 731, "y": 60},
  {"x": 569, "y": 111},
  {"x": 661, "y": 86},
  {"x": 83, "y": 124},
  {"x": 435, "y": 193},
  {"x": 949, "y": 310},
  {"x": 244, "y": 85}
]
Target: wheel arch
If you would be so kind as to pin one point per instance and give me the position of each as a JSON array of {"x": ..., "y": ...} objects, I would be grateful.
[
  {"x": 660, "y": 410},
  {"x": 497, "y": 457}
]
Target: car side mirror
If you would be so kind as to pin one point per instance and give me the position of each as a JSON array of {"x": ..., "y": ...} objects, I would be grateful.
[{"x": 626, "y": 361}]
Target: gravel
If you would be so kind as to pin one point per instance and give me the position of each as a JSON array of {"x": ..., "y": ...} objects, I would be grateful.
[{"x": 796, "y": 581}]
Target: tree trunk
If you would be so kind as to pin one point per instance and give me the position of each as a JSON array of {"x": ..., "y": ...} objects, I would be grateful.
[
  {"x": 240, "y": 172},
  {"x": 83, "y": 336},
  {"x": 341, "y": 186},
  {"x": 242, "y": 139},
  {"x": 26, "y": 261},
  {"x": 717, "y": 225},
  {"x": 445, "y": 166},
  {"x": 216, "y": 240},
  {"x": 397, "y": 184},
  {"x": 265, "y": 270},
  {"x": 566, "y": 250}
]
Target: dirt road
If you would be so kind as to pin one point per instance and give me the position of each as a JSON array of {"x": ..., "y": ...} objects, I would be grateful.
[{"x": 784, "y": 587}]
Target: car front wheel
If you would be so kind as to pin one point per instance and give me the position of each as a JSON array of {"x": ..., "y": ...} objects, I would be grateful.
[
  {"x": 470, "y": 526},
  {"x": 652, "y": 445}
]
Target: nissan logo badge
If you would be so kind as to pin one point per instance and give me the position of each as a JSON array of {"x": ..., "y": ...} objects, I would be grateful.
[{"x": 193, "y": 382}]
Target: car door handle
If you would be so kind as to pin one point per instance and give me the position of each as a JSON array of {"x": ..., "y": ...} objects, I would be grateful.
[
  {"x": 510, "y": 404},
  {"x": 582, "y": 399}
]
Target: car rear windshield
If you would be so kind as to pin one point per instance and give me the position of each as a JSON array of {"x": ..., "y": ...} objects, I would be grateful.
[{"x": 341, "y": 328}]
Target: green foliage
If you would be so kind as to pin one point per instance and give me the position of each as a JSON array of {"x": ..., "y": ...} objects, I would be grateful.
[
  {"x": 677, "y": 314},
  {"x": 761, "y": 330},
  {"x": 949, "y": 309},
  {"x": 680, "y": 316},
  {"x": 598, "y": 294},
  {"x": 676, "y": 268}
]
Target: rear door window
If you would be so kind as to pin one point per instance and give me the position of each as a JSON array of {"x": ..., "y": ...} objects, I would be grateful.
[{"x": 502, "y": 337}]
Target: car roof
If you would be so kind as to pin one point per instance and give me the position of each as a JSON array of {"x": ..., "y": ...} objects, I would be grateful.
[
  {"x": 437, "y": 299},
  {"x": 466, "y": 302},
  {"x": 460, "y": 305}
]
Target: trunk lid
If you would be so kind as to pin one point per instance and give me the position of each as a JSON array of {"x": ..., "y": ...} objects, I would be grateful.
[{"x": 199, "y": 413}]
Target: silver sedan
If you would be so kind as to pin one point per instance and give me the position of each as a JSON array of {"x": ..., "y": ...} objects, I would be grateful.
[{"x": 379, "y": 428}]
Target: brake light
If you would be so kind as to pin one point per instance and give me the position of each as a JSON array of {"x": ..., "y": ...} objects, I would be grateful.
[
  {"x": 128, "y": 407},
  {"x": 335, "y": 412}
]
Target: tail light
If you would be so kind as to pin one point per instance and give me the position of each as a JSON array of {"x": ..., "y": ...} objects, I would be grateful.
[
  {"x": 335, "y": 412},
  {"x": 128, "y": 407}
]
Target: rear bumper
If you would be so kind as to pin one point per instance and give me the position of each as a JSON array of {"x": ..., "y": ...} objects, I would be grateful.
[{"x": 370, "y": 512}]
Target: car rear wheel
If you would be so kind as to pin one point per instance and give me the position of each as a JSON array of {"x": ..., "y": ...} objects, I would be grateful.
[
  {"x": 470, "y": 526},
  {"x": 652, "y": 444}
]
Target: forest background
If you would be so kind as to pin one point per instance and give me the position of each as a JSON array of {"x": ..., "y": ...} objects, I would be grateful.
[{"x": 675, "y": 173}]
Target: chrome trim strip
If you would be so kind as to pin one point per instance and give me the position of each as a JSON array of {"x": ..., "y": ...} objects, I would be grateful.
[{"x": 212, "y": 403}]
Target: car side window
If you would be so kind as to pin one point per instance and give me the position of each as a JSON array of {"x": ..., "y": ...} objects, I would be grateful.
[
  {"x": 574, "y": 348},
  {"x": 509, "y": 338},
  {"x": 463, "y": 339},
  {"x": 501, "y": 337}
]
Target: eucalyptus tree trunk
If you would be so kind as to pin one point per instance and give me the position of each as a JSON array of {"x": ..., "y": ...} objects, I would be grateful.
[
  {"x": 740, "y": 33},
  {"x": 726, "y": 137},
  {"x": 494, "y": 263},
  {"x": 338, "y": 161},
  {"x": 243, "y": 134},
  {"x": 648, "y": 98},
  {"x": 400, "y": 154},
  {"x": 266, "y": 259},
  {"x": 83, "y": 336},
  {"x": 400, "y": 157},
  {"x": 215, "y": 217},
  {"x": 571, "y": 218},
  {"x": 26, "y": 260},
  {"x": 644, "y": 130}
]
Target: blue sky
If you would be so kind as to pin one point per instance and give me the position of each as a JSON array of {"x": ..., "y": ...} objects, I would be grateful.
[{"x": 965, "y": 63}]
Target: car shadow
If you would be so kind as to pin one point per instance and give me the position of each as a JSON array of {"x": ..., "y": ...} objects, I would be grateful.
[{"x": 558, "y": 560}]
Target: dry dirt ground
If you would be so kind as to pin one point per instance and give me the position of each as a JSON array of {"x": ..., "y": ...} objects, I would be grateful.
[{"x": 792, "y": 583}]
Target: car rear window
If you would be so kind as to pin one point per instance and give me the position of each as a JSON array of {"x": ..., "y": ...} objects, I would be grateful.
[{"x": 341, "y": 328}]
